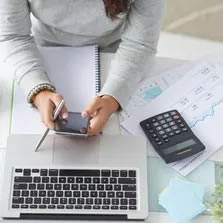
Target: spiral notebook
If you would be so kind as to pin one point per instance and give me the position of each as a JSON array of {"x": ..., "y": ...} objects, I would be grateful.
[{"x": 76, "y": 74}]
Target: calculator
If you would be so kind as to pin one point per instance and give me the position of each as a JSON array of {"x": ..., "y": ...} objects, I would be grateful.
[{"x": 171, "y": 137}]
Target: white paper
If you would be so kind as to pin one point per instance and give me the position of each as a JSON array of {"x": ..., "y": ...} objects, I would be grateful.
[
  {"x": 198, "y": 96},
  {"x": 72, "y": 71},
  {"x": 149, "y": 89}
]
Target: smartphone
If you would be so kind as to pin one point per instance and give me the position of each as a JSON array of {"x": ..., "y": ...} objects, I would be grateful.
[{"x": 75, "y": 124}]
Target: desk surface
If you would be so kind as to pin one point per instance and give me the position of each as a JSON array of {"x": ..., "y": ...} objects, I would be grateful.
[{"x": 112, "y": 126}]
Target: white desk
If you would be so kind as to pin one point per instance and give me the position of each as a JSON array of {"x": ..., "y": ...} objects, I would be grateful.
[{"x": 112, "y": 127}]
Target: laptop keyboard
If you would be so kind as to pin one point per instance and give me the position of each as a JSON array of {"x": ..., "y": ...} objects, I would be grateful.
[{"x": 90, "y": 189}]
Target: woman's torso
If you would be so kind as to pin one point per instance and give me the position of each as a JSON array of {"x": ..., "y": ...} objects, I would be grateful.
[{"x": 74, "y": 22}]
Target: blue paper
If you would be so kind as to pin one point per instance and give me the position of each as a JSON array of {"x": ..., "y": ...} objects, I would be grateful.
[
  {"x": 183, "y": 200},
  {"x": 159, "y": 174},
  {"x": 185, "y": 185}
]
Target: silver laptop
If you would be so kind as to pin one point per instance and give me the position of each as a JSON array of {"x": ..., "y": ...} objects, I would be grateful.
[{"x": 102, "y": 177}]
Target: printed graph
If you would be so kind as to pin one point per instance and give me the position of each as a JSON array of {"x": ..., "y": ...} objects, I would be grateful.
[
  {"x": 205, "y": 116},
  {"x": 203, "y": 99},
  {"x": 151, "y": 88},
  {"x": 148, "y": 91},
  {"x": 152, "y": 93}
]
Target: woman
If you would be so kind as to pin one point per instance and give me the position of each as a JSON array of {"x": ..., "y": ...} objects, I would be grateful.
[{"x": 136, "y": 24}]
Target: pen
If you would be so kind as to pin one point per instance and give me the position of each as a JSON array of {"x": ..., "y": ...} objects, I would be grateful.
[{"x": 55, "y": 115}]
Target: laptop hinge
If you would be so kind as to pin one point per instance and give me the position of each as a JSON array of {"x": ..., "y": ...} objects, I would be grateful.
[{"x": 73, "y": 217}]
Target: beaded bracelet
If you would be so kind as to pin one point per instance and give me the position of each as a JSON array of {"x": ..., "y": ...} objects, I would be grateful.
[{"x": 38, "y": 89}]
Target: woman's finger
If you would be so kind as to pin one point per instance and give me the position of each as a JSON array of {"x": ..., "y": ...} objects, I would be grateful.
[
  {"x": 92, "y": 108},
  {"x": 96, "y": 126},
  {"x": 56, "y": 99},
  {"x": 97, "y": 122},
  {"x": 64, "y": 112},
  {"x": 47, "y": 114}
]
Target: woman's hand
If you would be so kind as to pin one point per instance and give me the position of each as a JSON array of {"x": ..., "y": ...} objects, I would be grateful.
[
  {"x": 100, "y": 110},
  {"x": 46, "y": 102}
]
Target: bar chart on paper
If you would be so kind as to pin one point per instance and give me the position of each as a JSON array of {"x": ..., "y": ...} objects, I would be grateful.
[
  {"x": 152, "y": 87},
  {"x": 149, "y": 90}
]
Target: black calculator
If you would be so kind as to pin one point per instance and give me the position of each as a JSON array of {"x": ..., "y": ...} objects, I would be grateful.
[{"x": 171, "y": 137}]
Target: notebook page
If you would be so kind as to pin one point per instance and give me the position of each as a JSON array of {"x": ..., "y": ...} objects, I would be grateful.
[{"x": 72, "y": 71}]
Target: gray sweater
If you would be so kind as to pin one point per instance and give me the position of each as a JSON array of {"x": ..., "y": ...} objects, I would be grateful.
[{"x": 26, "y": 23}]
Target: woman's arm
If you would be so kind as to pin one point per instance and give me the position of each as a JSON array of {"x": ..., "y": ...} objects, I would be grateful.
[
  {"x": 20, "y": 51},
  {"x": 22, "y": 55},
  {"x": 137, "y": 49}
]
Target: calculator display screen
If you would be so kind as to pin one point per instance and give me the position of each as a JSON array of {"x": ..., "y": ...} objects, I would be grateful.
[{"x": 179, "y": 146}]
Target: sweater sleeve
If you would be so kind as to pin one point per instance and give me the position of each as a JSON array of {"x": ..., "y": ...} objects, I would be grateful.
[
  {"x": 20, "y": 50},
  {"x": 136, "y": 50}
]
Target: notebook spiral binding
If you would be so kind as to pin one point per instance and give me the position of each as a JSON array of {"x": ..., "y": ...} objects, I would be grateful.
[{"x": 97, "y": 70}]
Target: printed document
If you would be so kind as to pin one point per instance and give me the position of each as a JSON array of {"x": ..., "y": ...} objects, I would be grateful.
[
  {"x": 153, "y": 86},
  {"x": 149, "y": 89},
  {"x": 198, "y": 96}
]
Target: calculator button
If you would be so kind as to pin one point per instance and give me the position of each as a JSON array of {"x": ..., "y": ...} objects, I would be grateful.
[
  {"x": 172, "y": 123},
  {"x": 166, "y": 140},
  {"x": 154, "y": 135},
  {"x": 166, "y": 115},
  {"x": 159, "y": 143},
  {"x": 178, "y": 121},
  {"x": 155, "y": 124},
  {"x": 153, "y": 120},
  {"x": 168, "y": 130},
  {"x": 162, "y": 122},
  {"x": 165, "y": 126},
  {"x": 173, "y": 113},
  {"x": 171, "y": 134},
  {"x": 176, "y": 117},
  {"x": 164, "y": 136},
  {"x": 177, "y": 132},
  {"x": 174, "y": 127},
  {"x": 181, "y": 125},
  {"x": 159, "y": 128},
  {"x": 161, "y": 132},
  {"x": 169, "y": 119},
  {"x": 151, "y": 131},
  {"x": 160, "y": 117},
  {"x": 147, "y": 126},
  {"x": 157, "y": 139},
  {"x": 184, "y": 129}
]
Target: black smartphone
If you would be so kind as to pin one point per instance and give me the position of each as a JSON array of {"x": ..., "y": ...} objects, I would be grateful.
[{"x": 75, "y": 124}]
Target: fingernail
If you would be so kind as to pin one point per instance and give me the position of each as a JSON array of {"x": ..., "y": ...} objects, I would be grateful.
[
  {"x": 65, "y": 115},
  {"x": 84, "y": 114}
]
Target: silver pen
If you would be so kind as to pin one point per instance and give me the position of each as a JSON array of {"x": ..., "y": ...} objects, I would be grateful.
[{"x": 55, "y": 115}]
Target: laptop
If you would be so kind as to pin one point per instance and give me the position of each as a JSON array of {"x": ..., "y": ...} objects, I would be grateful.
[{"x": 101, "y": 177}]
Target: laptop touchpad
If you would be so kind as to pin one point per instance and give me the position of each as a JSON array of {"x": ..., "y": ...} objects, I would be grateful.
[{"x": 76, "y": 150}]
